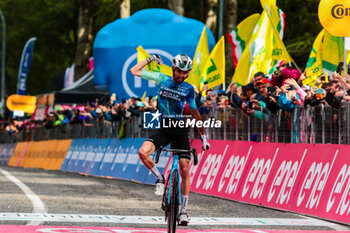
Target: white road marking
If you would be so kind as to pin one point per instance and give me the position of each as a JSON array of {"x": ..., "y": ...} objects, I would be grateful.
[
  {"x": 38, "y": 205},
  {"x": 336, "y": 227},
  {"x": 78, "y": 218}
]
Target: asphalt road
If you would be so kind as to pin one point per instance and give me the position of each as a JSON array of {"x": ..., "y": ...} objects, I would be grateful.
[{"x": 56, "y": 192}]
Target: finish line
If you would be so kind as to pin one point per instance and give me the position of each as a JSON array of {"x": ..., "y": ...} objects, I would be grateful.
[{"x": 80, "y": 218}]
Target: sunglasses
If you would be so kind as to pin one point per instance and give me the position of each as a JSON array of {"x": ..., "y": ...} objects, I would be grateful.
[{"x": 181, "y": 71}]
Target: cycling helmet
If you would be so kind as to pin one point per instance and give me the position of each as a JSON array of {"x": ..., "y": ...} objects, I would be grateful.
[{"x": 182, "y": 62}]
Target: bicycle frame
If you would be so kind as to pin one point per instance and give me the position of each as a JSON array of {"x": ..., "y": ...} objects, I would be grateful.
[{"x": 175, "y": 167}]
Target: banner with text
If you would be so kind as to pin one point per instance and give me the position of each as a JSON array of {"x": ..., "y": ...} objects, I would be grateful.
[{"x": 311, "y": 179}]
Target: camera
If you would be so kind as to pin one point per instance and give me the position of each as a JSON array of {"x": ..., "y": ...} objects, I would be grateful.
[
  {"x": 278, "y": 72},
  {"x": 272, "y": 90},
  {"x": 250, "y": 105}
]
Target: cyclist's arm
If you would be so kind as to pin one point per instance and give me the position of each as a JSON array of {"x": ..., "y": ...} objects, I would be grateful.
[
  {"x": 196, "y": 115},
  {"x": 194, "y": 112},
  {"x": 137, "y": 70}
]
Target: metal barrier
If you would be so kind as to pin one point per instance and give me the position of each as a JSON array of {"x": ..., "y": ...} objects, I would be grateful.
[{"x": 321, "y": 124}]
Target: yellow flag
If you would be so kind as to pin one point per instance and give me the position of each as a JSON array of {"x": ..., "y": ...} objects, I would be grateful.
[
  {"x": 333, "y": 52},
  {"x": 314, "y": 64},
  {"x": 214, "y": 69},
  {"x": 279, "y": 50},
  {"x": 240, "y": 37},
  {"x": 257, "y": 55},
  {"x": 153, "y": 66},
  {"x": 327, "y": 51},
  {"x": 200, "y": 58},
  {"x": 144, "y": 96},
  {"x": 265, "y": 46}
]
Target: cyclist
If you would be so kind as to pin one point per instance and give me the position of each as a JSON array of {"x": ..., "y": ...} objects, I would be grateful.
[{"x": 173, "y": 93}]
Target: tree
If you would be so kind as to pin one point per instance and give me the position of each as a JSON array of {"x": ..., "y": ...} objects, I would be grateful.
[
  {"x": 124, "y": 8},
  {"x": 85, "y": 39},
  {"x": 211, "y": 20},
  {"x": 177, "y": 6}
]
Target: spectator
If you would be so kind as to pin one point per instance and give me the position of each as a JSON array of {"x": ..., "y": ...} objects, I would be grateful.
[
  {"x": 288, "y": 98},
  {"x": 235, "y": 100},
  {"x": 133, "y": 107},
  {"x": 269, "y": 96},
  {"x": 283, "y": 73},
  {"x": 11, "y": 128},
  {"x": 301, "y": 93},
  {"x": 311, "y": 98},
  {"x": 247, "y": 92}
]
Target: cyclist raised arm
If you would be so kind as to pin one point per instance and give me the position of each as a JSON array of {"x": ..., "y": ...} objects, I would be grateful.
[{"x": 173, "y": 93}]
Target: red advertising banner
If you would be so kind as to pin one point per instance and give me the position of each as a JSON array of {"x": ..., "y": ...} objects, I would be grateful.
[
  {"x": 287, "y": 170},
  {"x": 324, "y": 187},
  {"x": 304, "y": 178},
  {"x": 336, "y": 201},
  {"x": 258, "y": 172},
  {"x": 220, "y": 170}
]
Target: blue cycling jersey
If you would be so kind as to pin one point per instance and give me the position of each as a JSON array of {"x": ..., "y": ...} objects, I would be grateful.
[{"x": 172, "y": 96}]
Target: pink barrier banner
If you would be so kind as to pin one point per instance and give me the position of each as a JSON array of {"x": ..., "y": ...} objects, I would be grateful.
[
  {"x": 257, "y": 172},
  {"x": 284, "y": 176},
  {"x": 220, "y": 170},
  {"x": 324, "y": 186},
  {"x": 74, "y": 229},
  {"x": 303, "y": 178}
]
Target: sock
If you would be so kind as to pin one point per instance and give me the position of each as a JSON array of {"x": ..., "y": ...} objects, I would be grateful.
[
  {"x": 184, "y": 202},
  {"x": 156, "y": 173}
]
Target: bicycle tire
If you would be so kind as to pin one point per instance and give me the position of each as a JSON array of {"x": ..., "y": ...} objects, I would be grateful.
[{"x": 174, "y": 203}]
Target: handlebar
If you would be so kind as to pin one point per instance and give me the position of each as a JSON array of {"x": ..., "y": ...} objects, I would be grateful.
[{"x": 178, "y": 151}]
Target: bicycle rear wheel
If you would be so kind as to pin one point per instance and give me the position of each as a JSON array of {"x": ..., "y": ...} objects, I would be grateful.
[{"x": 174, "y": 203}]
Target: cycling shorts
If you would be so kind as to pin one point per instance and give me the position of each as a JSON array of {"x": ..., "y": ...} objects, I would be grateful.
[{"x": 178, "y": 137}]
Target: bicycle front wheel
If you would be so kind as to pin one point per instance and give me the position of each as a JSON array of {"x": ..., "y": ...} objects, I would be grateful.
[{"x": 174, "y": 202}]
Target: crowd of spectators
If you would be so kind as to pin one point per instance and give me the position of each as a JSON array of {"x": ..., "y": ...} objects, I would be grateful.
[
  {"x": 95, "y": 111},
  {"x": 262, "y": 98},
  {"x": 284, "y": 90}
]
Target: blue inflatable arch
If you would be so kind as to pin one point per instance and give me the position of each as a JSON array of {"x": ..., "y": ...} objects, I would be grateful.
[{"x": 158, "y": 31}]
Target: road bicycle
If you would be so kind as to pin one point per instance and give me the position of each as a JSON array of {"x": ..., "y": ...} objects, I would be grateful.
[{"x": 172, "y": 196}]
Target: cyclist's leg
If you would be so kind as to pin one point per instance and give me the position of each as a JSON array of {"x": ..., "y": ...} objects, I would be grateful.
[
  {"x": 147, "y": 148},
  {"x": 152, "y": 143},
  {"x": 185, "y": 176},
  {"x": 185, "y": 190}
]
